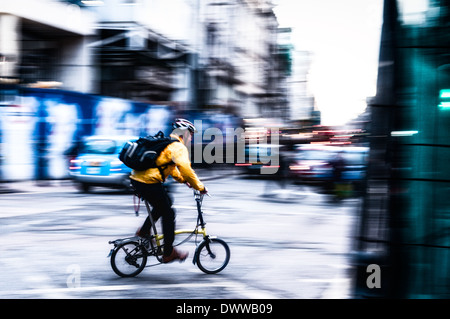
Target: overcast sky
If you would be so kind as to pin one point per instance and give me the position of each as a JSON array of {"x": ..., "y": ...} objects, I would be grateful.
[{"x": 344, "y": 37}]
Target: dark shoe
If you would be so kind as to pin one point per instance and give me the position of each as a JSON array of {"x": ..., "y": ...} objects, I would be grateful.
[{"x": 181, "y": 255}]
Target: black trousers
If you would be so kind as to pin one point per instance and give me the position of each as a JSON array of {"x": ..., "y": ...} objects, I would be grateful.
[{"x": 158, "y": 197}]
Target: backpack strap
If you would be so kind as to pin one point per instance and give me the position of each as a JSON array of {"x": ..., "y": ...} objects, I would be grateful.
[{"x": 163, "y": 167}]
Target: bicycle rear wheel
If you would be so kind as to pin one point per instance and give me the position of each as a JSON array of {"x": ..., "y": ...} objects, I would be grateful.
[
  {"x": 212, "y": 255},
  {"x": 128, "y": 259}
]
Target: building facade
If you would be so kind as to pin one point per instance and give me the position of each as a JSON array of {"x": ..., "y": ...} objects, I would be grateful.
[
  {"x": 191, "y": 54},
  {"x": 46, "y": 41}
]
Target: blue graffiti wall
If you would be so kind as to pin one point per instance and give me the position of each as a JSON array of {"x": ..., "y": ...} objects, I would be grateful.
[{"x": 40, "y": 127}]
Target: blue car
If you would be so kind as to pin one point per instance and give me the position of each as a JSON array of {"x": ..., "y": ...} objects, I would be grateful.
[{"x": 98, "y": 164}]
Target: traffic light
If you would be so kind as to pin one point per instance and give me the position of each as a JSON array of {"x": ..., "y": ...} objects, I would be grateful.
[{"x": 444, "y": 99}]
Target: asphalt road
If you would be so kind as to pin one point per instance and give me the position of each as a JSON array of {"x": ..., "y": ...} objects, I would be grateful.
[{"x": 285, "y": 243}]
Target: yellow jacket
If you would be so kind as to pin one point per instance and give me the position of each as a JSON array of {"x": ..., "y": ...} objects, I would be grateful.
[{"x": 175, "y": 161}]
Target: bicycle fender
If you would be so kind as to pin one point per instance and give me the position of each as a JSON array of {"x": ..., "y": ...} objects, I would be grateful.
[
  {"x": 117, "y": 242},
  {"x": 121, "y": 240},
  {"x": 194, "y": 260}
]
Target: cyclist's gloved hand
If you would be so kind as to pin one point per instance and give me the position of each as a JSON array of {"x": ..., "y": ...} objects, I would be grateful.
[{"x": 204, "y": 191}]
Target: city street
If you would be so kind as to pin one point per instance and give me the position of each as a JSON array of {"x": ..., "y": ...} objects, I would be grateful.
[{"x": 285, "y": 243}]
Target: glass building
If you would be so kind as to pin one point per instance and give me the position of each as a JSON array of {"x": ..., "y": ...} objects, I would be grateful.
[{"x": 404, "y": 225}]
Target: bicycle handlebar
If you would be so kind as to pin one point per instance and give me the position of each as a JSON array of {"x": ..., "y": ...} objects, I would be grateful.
[{"x": 199, "y": 194}]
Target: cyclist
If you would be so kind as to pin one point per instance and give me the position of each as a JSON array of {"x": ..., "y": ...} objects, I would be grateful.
[{"x": 174, "y": 161}]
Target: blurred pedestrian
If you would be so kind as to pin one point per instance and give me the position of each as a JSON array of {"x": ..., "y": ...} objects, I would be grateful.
[
  {"x": 279, "y": 180},
  {"x": 340, "y": 188}
]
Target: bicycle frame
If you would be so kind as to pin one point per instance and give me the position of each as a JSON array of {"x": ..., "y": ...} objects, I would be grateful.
[
  {"x": 133, "y": 251},
  {"x": 200, "y": 222}
]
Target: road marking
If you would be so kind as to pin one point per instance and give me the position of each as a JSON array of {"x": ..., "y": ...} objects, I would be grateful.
[
  {"x": 247, "y": 291},
  {"x": 242, "y": 289},
  {"x": 185, "y": 207},
  {"x": 43, "y": 280},
  {"x": 43, "y": 291},
  {"x": 338, "y": 288},
  {"x": 326, "y": 280},
  {"x": 194, "y": 208},
  {"x": 21, "y": 211}
]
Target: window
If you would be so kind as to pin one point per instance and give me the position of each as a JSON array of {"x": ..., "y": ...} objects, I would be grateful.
[{"x": 99, "y": 147}]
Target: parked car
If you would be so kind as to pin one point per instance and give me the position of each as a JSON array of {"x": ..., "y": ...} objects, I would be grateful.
[
  {"x": 258, "y": 156},
  {"x": 98, "y": 164}
]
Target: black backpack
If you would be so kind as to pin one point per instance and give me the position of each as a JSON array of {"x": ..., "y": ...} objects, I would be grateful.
[{"x": 142, "y": 154}]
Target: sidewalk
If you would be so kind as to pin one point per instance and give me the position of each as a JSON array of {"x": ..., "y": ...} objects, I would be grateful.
[
  {"x": 205, "y": 174},
  {"x": 32, "y": 185}
]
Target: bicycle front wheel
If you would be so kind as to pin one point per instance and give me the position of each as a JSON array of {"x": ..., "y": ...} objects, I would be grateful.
[
  {"x": 128, "y": 259},
  {"x": 212, "y": 255}
]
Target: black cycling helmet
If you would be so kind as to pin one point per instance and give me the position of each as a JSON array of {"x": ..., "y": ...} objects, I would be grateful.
[{"x": 184, "y": 124}]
